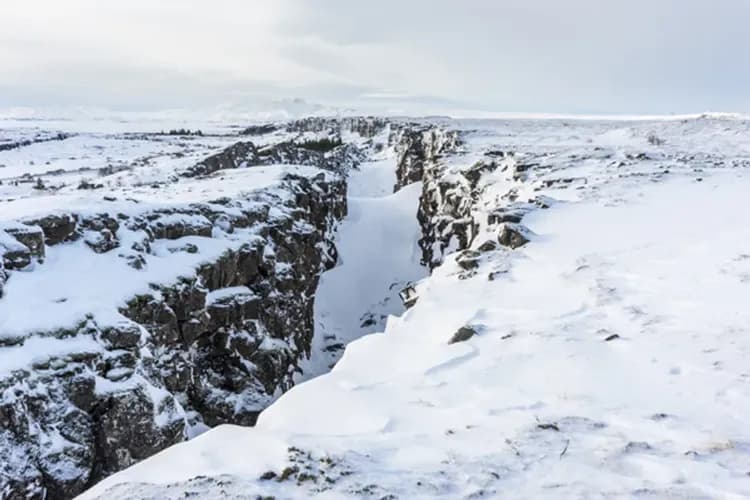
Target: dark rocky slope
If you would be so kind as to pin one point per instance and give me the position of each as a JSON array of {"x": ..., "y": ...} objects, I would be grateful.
[{"x": 213, "y": 347}]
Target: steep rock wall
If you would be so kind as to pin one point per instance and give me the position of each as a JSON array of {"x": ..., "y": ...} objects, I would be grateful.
[{"x": 211, "y": 348}]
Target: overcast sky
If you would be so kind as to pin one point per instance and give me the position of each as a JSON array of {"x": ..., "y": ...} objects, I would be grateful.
[{"x": 570, "y": 56}]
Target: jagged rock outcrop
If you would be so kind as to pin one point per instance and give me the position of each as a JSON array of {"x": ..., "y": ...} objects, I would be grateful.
[
  {"x": 446, "y": 202},
  {"x": 6, "y": 145},
  {"x": 19, "y": 246},
  {"x": 364, "y": 126},
  {"x": 57, "y": 228},
  {"x": 418, "y": 146},
  {"x": 213, "y": 347},
  {"x": 246, "y": 154},
  {"x": 265, "y": 128},
  {"x": 514, "y": 235},
  {"x": 235, "y": 156},
  {"x": 448, "y": 214}
]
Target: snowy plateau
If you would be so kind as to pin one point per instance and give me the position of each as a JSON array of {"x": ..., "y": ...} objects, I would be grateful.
[{"x": 385, "y": 308}]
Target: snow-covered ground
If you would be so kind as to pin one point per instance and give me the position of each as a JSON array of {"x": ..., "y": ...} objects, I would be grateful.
[
  {"x": 378, "y": 256},
  {"x": 609, "y": 358}
]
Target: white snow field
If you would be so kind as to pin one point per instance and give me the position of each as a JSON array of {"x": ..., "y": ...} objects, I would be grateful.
[
  {"x": 378, "y": 256},
  {"x": 611, "y": 352}
]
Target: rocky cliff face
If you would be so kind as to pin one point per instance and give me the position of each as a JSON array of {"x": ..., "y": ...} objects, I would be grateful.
[
  {"x": 338, "y": 158},
  {"x": 445, "y": 205},
  {"x": 454, "y": 204},
  {"x": 216, "y": 345}
]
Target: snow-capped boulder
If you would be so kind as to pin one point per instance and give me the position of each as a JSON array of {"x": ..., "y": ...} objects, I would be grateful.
[
  {"x": 463, "y": 334},
  {"x": 31, "y": 237},
  {"x": 514, "y": 235},
  {"x": 57, "y": 228}
]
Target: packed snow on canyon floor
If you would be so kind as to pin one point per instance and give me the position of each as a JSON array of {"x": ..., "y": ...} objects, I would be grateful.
[
  {"x": 607, "y": 357},
  {"x": 378, "y": 257}
]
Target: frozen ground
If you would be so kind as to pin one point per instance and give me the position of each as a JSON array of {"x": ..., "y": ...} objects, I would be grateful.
[
  {"x": 378, "y": 256},
  {"x": 610, "y": 354}
]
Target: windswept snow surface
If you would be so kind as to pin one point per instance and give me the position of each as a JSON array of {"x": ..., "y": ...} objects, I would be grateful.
[
  {"x": 378, "y": 256},
  {"x": 610, "y": 359}
]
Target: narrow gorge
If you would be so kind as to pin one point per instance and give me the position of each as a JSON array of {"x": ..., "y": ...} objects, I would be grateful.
[
  {"x": 225, "y": 311},
  {"x": 335, "y": 287}
]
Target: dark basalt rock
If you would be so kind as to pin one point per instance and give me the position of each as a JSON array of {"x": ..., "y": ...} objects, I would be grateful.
[
  {"x": 417, "y": 147},
  {"x": 232, "y": 157},
  {"x": 178, "y": 359},
  {"x": 445, "y": 205},
  {"x": 365, "y": 126},
  {"x": 179, "y": 225},
  {"x": 101, "y": 242},
  {"x": 41, "y": 137},
  {"x": 20, "y": 245},
  {"x": 468, "y": 260},
  {"x": 487, "y": 246},
  {"x": 57, "y": 228},
  {"x": 245, "y": 154},
  {"x": 3, "y": 277},
  {"x": 16, "y": 257},
  {"x": 260, "y": 129},
  {"x": 123, "y": 336},
  {"x": 463, "y": 334},
  {"x": 504, "y": 215},
  {"x": 31, "y": 237},
  {"x": 409, "y": 296},
  {"x": 476, "y": 171},
  {"x": 130, "y": 427},
  {"x": 514, "y": 235}
]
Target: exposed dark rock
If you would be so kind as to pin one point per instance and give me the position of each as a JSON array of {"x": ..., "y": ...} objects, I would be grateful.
[
  {"x": 31, "y": 237},
  {"x": 502, "y": 215},
  {"x": 101, "y": 242},
  {"x": 42, "y": 137},
  {"x": 178, "y": 225},
  {"x": 328, "y": 154},
  {"x": 17, "y": 256},
  {"x": 260, "y": 129},
  {"x": 417, "y": 146},
  {"x": 365, "y": 126},
  {"x": 548, "y": 427},
  {"x": 180, "y": 358},
  {"x": 476, "y": 171},
  {"x": 468, "y": 260},
  {"x": 232, "y": 157},
  {"x": 487, "y": 246},
  {"x": 130, "y": 426},
  {"x": 3, "y": 277},
  {"x": 57, "y": 228},
  {"x": 514, "y": 235},
  {"x": 521, "y": 168},
  {"x": 409, "y": 296},
  {"x": 121, "y": 336},
  {"x": 463, "y": 334}
]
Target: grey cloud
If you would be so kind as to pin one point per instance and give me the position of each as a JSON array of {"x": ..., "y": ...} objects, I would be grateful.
[{"x": 533, "y": 55}]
